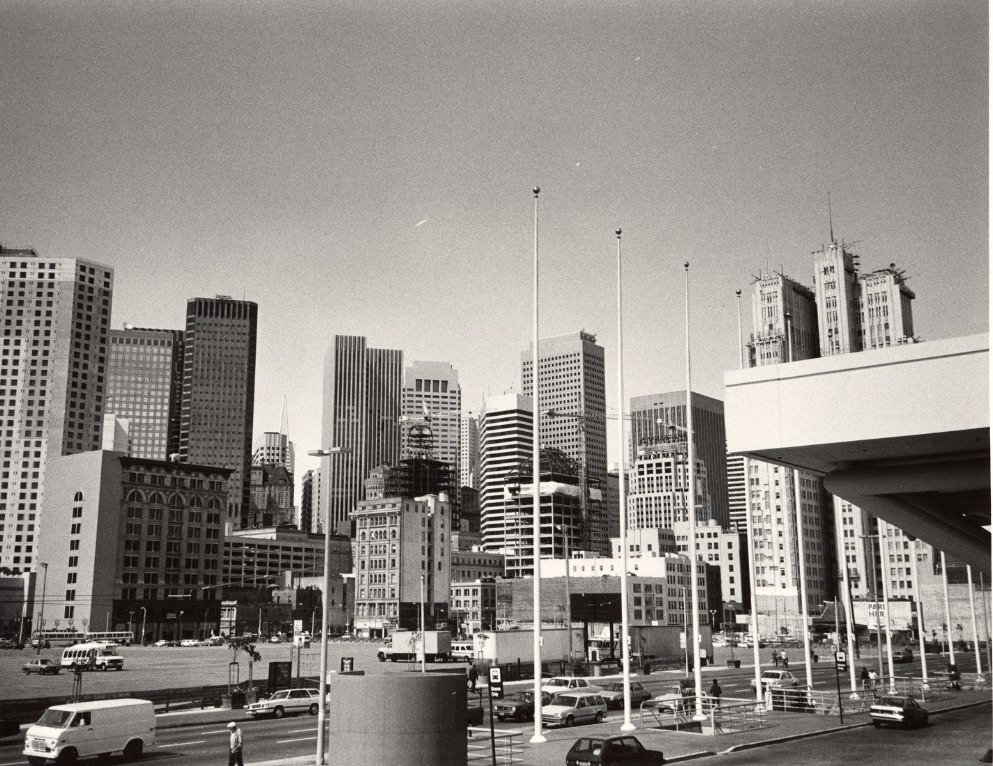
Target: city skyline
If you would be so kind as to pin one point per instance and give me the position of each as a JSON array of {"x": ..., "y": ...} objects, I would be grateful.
[{"x": 346, "y": 168}]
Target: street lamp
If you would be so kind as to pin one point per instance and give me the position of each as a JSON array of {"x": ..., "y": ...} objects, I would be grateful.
[
  {"x": 144, "y": 614},
  {"x": 179, "y": 625},
  {"x": 875, "y": 597},
  {"x": 325, "y": 601},
  {"x": 568, "y": 600},
  {"x": 713, "y": 626},
  {"x": 41, "y": 605}
]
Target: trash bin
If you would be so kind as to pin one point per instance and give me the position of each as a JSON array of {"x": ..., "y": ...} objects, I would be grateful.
[{"x": 237, "y": 699}]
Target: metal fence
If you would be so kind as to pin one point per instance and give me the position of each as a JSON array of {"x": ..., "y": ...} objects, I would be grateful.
[{"x": 503, "y": 749}]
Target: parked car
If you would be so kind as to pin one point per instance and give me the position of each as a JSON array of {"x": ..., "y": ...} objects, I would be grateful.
[
  {"x": 189, "y": 642},
  {"x": 613, "y": 694},
  {"x": 574, "y": 707},
  {"x": 213, "y": 641},
  {"x": 10, "y": 643},
  {"x": 907, "y": 655},
  {"x": 561, "y": 684},
  {"x": 678, "y": 699},
  {"x": 518, "y": 706},
  {"x": 165, "y": 642},
  {"x": 42, "y": 666},
  {"x": 777, "y": 679},
  {"x": 612, "y": 751},
  {"x": 902, "y": 711},
  {"x": 285, "y": 702}
]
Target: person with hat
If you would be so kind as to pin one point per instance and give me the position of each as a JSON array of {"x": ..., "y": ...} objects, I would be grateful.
[{"x": 234, "y": 749}]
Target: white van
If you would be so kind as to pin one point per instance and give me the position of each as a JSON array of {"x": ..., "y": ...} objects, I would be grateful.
[
  {"x": 92, "y": 656},
  {"x": 462, "y": 650},
  {"x": 80, "y": 729}
]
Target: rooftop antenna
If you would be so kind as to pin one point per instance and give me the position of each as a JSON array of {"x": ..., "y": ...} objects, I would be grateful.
[
  {"x": 830, "y": 220},
  {"x": 284, "y": 424}
]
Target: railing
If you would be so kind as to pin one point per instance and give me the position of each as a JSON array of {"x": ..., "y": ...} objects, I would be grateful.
[
  {"x": 505, "y": 746},
  {"x": 729, "y": 716}
]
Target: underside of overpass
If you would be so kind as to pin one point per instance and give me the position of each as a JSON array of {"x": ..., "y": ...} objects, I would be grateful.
[{"x": 902, "y": 432}]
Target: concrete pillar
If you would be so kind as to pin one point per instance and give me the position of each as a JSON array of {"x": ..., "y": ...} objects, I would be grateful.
[{"x": 399, "y": 719}]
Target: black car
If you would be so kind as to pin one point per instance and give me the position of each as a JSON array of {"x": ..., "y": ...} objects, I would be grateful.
[
  {"x": 518, "y": 706},
  {"x": 612, "y": 751},
  {"x": 10, "y": 643},
  {"x": 905, "y": 656}
]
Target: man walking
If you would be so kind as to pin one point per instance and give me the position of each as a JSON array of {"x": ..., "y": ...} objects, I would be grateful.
[
  {"x": 775, "y": 658},
  {"x": 715, "y": 692},
  {"x": 234, "y": 747},
  {"x": 473, "y": 675}
]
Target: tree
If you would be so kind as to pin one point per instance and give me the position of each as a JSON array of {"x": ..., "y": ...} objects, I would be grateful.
[{"x": 238, "y": 644}]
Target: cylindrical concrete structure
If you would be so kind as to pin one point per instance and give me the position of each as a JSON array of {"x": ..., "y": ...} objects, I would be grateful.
[{"x": 401, "y": 720}]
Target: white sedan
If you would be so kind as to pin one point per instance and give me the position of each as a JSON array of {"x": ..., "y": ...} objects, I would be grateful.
[
  {"x": 285, "y": 702},
  {"x": 563, "y": 684}
]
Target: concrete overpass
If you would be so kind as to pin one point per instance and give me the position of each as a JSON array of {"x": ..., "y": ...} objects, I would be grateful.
[{"x": 903, "y": 432}]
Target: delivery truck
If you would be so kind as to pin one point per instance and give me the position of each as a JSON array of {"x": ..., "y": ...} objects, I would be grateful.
[
  {"x": 406, "y": 645},
  {"x": 503, "y": 646}
]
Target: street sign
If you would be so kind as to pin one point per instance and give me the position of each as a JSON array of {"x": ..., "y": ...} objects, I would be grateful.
[
  {"x": 841, "y": 661},
  {"x": 496, "y": 683},
  {"x": 347, "y": 664}
]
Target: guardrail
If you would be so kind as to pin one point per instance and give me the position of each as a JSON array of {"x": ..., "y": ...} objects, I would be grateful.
[{"x": 503, "y": 748}]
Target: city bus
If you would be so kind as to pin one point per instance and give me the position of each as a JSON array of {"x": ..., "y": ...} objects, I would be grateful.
[{"x": 119, "y": 637}]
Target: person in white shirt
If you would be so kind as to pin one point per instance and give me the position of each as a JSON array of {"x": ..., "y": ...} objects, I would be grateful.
[{"x": 234, "y": 748}]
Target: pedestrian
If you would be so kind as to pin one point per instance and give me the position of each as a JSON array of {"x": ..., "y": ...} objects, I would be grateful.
[
  {"x": 715, "y": 692},
  {"x": 473, "y": 676},
  {"x": 864, "y": 678},
  {"x": 775, "y": 658},
  {"x": 786, "y": 660},
  {"x": 873, "y": 677},
  {"x": 235, "y": 757}
]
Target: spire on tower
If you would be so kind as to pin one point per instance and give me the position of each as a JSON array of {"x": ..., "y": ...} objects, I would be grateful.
[
  {"x": 830, "y": 221},
  {"x": 284, "y": 423}
]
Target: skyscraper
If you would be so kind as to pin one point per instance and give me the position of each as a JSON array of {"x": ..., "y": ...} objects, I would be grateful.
[
  {"x": 651, "y": 413},
  {"x": 145, "y": 387},
  {"x": 432, "y": 399},
  {"x": 53, "y": 368},
  {"x": 573, "y": 386},
  {"x": 784, "y": 317},
  {"x": 469, "y": 451},
  {"x": 504, "y": 446},
  {"x": 361, "y": 414},
  {"x": 219, "y": 392}
]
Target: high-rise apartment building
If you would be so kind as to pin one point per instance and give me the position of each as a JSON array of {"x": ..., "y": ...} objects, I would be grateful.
[
  {"x": 361, "y": 415},
  {"x": 504, "y": 446},
  {"x": 431, "y": 406},
  {"x": 737, "y": 493},
  {"x": 219, "y": 392},
  {"x": 651, "y": 415},
  {"x": 308, "y": 496},
  {"x": 885, "y": 310},
  {"x": 53, "y": 377},
  {"x": 572, "y": 386},
  {"x": 784, "y": 316},
  {"x": 656, "y": 490},
  {"x": 145, "y": 388},
  {"x": 469, "y": 451}
]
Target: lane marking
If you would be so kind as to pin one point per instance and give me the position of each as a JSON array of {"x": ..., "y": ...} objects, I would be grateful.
[
  {"x": 298, "y": 739},
  {"x": 183, "y": 744}
]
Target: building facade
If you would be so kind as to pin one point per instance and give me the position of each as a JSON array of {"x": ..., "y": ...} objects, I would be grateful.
[
  {"x": 402, "y": 559},
  {"x": 504, "y": 445},
  {"x": 361, "y": 414},
  {"x": 432, "y": 405},
  {"x": 145, "y": 388},
  {"x": 53, "y": 370},
  {"x": 469, "y": 451},
  {"x": 219, "y": 393}
]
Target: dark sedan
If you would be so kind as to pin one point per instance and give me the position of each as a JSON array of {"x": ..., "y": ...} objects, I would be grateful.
[
  {"x": 612, "y": 751},
  {"x": 901, "y": 711},
  {"x": 518, "y": 706}
]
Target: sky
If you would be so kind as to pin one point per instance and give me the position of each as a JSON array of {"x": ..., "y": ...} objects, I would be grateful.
[{"x": 365, "y": 168}]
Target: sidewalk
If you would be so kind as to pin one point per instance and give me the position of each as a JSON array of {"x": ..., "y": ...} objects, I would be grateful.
[{"x": 676, "y": 745}]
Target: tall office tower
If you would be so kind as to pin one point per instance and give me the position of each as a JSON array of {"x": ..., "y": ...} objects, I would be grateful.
[
  {"x": 504, "y": 446},
  {"x": 887, "y": 316},
  {"x": 469, "y": 451},
  {"x": 650, "y": 415},
  {"x": 737, "y": 494},
  {"x": 145, "y": 387},
  {"x": 53, "y": 367},
  {"x": 836, "y": 285},
  {"x": 219, "y": 393},
  {"x": 432, "y": 400},
  {"x": 275, "y": 449},
  {"x": 572, "y": 380},
  {"x": 776, "y": 339},
  {"x": 656, "y": 495},
  {"x": 361, "y": 413},
  {"x": 308, "y": 496}
]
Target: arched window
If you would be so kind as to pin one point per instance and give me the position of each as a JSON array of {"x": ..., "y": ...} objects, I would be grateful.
[
  {"x": 176, "y": 501},
  {"x": 134, "y": 496},
  {"x": 196, "y": 502},
  {"x": 214, "y": 504},
  {"x": 78, "y": 497},
  {"x": 156, "y": 499}
]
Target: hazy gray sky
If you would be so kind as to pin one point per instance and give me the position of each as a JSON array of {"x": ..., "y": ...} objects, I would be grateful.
[{"x": 365, "y": 168}]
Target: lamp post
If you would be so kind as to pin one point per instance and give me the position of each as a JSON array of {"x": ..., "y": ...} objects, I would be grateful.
[
  {"x": 875, "y": 598},
  {"x": 622, "y": 498},
  {"x": 325, "y": 602},
  {"x": 537, "y": 737},
  {"x": 886, "y": 600},
  {"x": 568, "y": 601},
  {"x": 144, "y": 614},
  {"x": 130, "y": 620},
  {"x": 920, "y": 615},
  {"x": 41, "y": 605},
  {"x": 179, "y": 625},
  {"x": 948, "y": 614},
  {"x": 423, "y": 639},
  {"x": 975, "y": 631},
  {"x": 713, "y": 625},
  {"x": 750, "y": 536}
]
